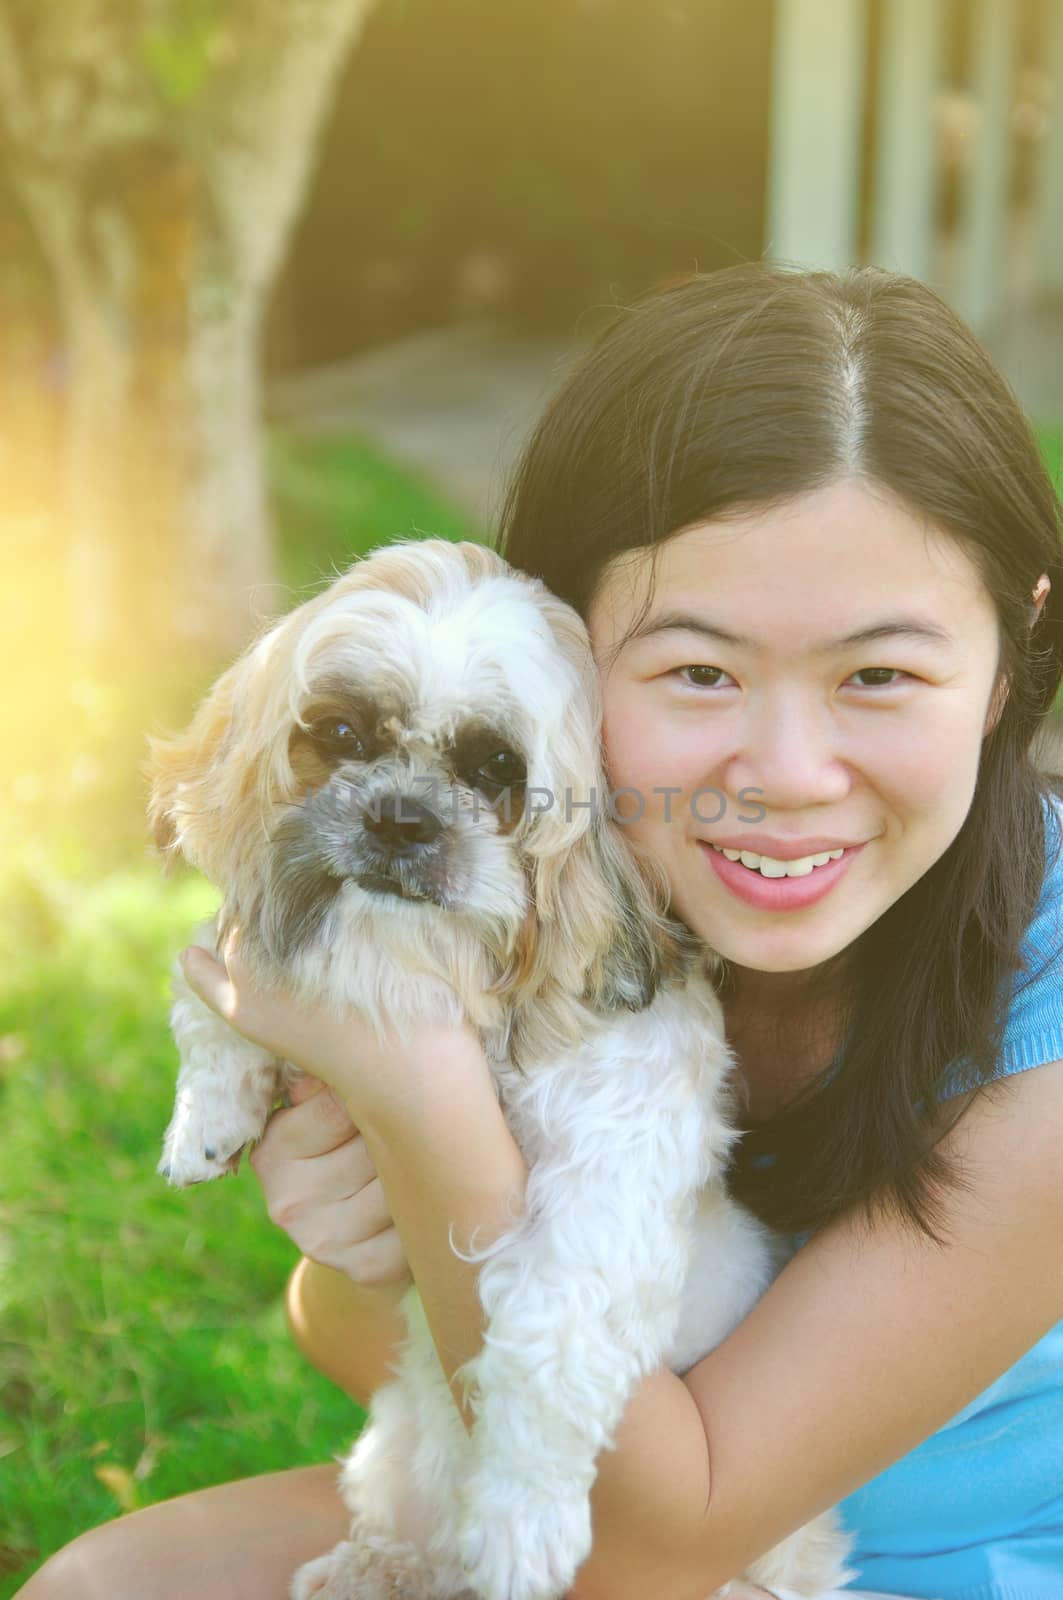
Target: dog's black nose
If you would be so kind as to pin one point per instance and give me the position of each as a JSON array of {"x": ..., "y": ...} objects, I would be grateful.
[{"x": 401, "y": 823}]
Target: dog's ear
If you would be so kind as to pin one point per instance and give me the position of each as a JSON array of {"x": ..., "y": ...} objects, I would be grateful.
[
  {"x": 596, "y": 928},
  {"x": 161, "y": 818},
  {"x": 618, "y": 928},
  {"x": 632, "y": 963},
  {"x": 188, "y": 784}
]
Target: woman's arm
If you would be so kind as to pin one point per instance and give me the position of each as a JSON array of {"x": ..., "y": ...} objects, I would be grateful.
[
  {"x": 347, "y": 1331},
  {"x": 870, "y": 1340},
  {"x": 452, "y": 1174}
]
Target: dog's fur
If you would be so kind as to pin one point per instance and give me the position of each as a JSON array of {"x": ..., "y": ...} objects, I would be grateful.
[{"x": 595, "y": 1011}]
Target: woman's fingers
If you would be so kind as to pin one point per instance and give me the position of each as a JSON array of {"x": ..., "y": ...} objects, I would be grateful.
[
  {"x": 321, "y": 1188},
  {"x": 355, "y": 1235},
  {"x": 377, "y": 1262},
  {"x": 315, "y": 1123},
  {"x": 371, "y": 1262},
  {"x": 302, "y": 1087},
  {"x": 208, "y": 978},
  {"x": 310, "y": 1158},
  {"x": 269, "y": 1017},
  {"x": 339, "y": 1225}
]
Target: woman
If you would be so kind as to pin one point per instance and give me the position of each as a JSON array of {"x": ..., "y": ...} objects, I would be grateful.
[{"x": 814, "y": 543}]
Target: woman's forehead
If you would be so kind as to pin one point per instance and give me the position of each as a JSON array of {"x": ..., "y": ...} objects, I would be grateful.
[{"x": 834, "y": 558}]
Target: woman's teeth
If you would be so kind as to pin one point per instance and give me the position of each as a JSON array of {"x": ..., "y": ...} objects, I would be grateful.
[{"x": 769, "y": 867}]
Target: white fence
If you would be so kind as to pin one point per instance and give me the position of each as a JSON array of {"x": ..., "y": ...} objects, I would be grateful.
[{"x": 922, "y": 121}]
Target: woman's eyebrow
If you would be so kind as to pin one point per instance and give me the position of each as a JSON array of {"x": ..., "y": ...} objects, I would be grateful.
[
  {"x": 673, "y": 621},
  {"x": 889, "y": 628},
  {"x": 895, "y": 627}
]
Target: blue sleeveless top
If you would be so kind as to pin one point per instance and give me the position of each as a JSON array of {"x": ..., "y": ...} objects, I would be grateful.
[{"x": 976, "y": 1511}]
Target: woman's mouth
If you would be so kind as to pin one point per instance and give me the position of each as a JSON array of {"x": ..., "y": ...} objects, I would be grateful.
[{"x": 772, "y": 884}]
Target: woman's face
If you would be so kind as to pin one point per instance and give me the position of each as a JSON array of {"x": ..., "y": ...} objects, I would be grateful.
[{"x": 811, "y": 679}]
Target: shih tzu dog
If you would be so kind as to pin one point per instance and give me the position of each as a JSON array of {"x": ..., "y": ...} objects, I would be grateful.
[{"x": 398, "y": 791}]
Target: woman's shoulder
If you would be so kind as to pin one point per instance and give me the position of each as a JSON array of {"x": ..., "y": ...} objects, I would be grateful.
[{"x": 1033, "y": 1023}]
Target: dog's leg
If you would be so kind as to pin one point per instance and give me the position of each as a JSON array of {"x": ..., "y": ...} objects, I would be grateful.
[
  {"x": 810, "y": 1561},
  {"x": 581, "y": 1302},
  {"x": 226, "y": 1087},
  {"x": 401, "y": 1485}
]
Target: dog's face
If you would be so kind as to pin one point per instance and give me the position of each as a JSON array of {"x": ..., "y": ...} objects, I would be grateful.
[{"x": 418, "y": 742}]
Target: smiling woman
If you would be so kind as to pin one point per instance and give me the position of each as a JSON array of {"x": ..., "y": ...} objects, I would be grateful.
[
  {"x": 759, "y": 685},
  {"x": 812, "y": 535}
]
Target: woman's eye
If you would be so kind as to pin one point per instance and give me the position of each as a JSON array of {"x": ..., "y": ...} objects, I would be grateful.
[
  {"x": 335, "y": 736},
  {"x": 879, "y": 677},
  {"x": 702, "y": 677}
]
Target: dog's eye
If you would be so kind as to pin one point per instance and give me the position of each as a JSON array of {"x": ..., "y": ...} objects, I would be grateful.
[
  {"x": 335, "y": 736},
  {"x": 503, "y": 770}
]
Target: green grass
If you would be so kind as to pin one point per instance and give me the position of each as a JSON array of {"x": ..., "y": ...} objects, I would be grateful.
[
  {"x": 143, "y": 1347},
  {"x": 334, "y": 498},
  {"x": 1050, "y": 438}
]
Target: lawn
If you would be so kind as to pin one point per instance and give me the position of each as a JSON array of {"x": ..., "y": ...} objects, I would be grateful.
[
  {"x": 1051, "y": 441},
  {"x": 143, "y": 1349}
]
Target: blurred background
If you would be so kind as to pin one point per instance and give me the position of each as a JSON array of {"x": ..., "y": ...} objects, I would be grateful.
[{"x": 281, "y": 280}]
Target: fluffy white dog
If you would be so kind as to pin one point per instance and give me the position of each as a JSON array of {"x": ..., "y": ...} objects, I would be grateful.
[{"x": 398, "y": 790}]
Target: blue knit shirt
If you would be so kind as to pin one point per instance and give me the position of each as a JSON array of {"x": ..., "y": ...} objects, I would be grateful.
[{"x": 976, "y": 1511}]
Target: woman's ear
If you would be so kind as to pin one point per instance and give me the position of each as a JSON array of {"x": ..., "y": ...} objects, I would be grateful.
[
  {"x": 998, "y": 700},
  {"x": 1042, "y": 589}
]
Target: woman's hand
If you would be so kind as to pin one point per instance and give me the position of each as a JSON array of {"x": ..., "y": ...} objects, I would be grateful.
[
  {"x": 322, "y": 1190},
  {"x": 383, "y": 1083},
  {"x": 313, "y": 1038},
  {"x": 428, "y": 1110}
]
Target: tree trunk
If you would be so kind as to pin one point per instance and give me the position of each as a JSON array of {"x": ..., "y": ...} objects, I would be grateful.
[
  {"x": 168, "y": 533},
  {"x": 164, "y": 225}
]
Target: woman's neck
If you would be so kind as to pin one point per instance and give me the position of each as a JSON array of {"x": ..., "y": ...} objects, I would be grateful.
[{"x": 784, "y": 1028}]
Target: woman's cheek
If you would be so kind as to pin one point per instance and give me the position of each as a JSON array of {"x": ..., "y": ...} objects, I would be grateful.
[
  {"x": 629, "y": 742},
  {"x": 926, "y": 762},
  {"x": 649, "y": 756}
]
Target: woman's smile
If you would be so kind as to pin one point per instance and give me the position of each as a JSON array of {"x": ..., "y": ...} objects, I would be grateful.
[
  {"x": 825, "y": 670},
  {"x": 774, "y": 883}
]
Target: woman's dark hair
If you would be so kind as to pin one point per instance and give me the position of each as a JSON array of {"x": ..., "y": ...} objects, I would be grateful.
[{"x": 744, "y": 388}]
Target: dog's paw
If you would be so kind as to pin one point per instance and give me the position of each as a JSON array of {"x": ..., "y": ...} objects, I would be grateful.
[
  {"x": 519, "y": 1545},
  {"x": 200, "y": 1147},
  {"x": 366, "y": 1568},
  {"x": 810, "y": 1561},
  {"x": 344, "y": 1574}
]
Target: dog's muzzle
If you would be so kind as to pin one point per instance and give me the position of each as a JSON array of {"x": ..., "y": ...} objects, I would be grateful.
[
  {"x": 401, "y": 834},
  {"x": 401, "y": 825}
]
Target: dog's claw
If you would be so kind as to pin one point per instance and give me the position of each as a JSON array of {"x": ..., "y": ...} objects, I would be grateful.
[{"x": 184, "y": 1173}]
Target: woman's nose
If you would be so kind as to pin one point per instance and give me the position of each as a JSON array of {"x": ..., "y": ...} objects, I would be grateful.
[{"x": 790, "y": 753}]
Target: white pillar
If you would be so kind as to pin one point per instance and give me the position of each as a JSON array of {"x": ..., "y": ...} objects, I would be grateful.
[
  {"x": 905, "y": 188},
  {"x": 1049, "y": 192},
  {"x": 817, "y": 102},
  {"x": 985, "y": 216}
]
